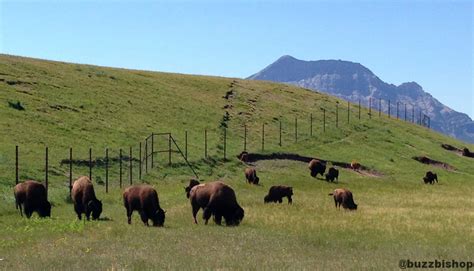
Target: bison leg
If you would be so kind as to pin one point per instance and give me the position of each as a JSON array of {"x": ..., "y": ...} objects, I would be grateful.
[
  {"x": 28, "y": 210},
  {"x": 78, "y": 211},
  {"x": 129, "y": 215},
  {"x": 207, "y": 213},
  {"x": 18, "y": 206},
  {"x": 218, "y": 219},
  {"x": 195, "y": 211},
  {"x": 144, "y": 217},
  {"x": 290, "y": 201},
  {"x": 280, "y": 200}
]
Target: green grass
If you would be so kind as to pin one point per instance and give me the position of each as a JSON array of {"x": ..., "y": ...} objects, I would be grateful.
[{"x": 81, "y": 106}]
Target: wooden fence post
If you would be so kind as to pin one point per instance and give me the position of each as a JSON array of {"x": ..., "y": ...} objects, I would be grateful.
[
  {"x": 130, "y": 161},
  {"x": 120, "y": 165},
  {"x": 70, "y": 171},
  {"x": 359, "y": 108},
  {"x": 16, "y": 165},
  {"x": 152, "y": 148},
  {"x": 90, "y": 164},
  {"x": 380, "y": 107},
  {"x": 140, "y": 160},
  {"x": 311, "y": 125},
  {"x": 46, "y": 168},
  {"x": 370, "y": 108},
  {"x": 337, "y": 114},
  {"x": 146, "y": 156},
  {"x": 263, "y": 137},
  {"x": 107, "y": 170},
  {"x": 389, "y": 109},
  {"x": 169, "y": 149}
]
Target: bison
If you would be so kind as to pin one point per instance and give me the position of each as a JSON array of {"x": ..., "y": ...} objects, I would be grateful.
[
  {"x": 333, "y": 174},
  {"x": 84, "y": 199},
  {"x": 32, "y": 195},
  {"x": 244, "y": 156},
  {"x": 466, "y": 152},
  {"x": 144, "y": 199},
  {"x": 355, "y": 165},
  {"x": 430, "y": 177},
  {"x": 317, "y": 167},
  {"x": 344, "y": 197},
  {"x": 277, "y": 192},
  {"x": 216, "y": 199},
  {"x": 192, "y": 183},
  {"x": 251, "y": 176}
]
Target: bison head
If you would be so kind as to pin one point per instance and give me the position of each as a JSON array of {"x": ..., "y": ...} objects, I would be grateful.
[
  {"x": 267, "y": 199},
  {"x": 192, "y": 183},
  {"x": 159, "y": 218},
  {"x": 236, "y": 217},
  {"x": 257, "y": 179},
  {"x": 95, "y": 206},
  {"x": 45, "y": 209}
]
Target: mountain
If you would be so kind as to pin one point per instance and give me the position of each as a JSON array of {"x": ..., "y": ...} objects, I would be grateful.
[{"x": 352, "y": 81}]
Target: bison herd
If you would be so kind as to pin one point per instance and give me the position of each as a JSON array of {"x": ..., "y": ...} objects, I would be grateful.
[{"x": 216, "y": 199}]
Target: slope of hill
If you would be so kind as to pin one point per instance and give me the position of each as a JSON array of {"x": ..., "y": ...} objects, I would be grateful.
[
  {"x": 81, "y": 106},
  {"x": 352, "y": 81}
]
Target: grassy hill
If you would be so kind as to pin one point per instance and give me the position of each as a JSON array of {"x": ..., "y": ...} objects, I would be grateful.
[{"x": 82, "y": 106}]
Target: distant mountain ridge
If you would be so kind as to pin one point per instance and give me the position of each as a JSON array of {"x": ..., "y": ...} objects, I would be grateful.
[{"x": 352, "y": 81}]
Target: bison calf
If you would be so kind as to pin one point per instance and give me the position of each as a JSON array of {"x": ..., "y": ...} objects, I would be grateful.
[
  {"x": 84, "y": 199},
  {"x": 430, "y": 177},
  {"x": 216, "y": 199},
  {"x": 344, "y": 197},
  {"x": 32, "y": 195},
  {"x": 251, "y": 176},
  {"x": 277, "y": 193},
  {"x": 317, "y": 167},
  {"x": 144, "y": 199},
  {"x": 333, "y": 174}
]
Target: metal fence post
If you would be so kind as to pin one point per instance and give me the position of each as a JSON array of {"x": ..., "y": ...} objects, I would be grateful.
[
  {"x": 380, "y": 107},
  {"x": 186, "y": 144},
  {"x": 169, "y": 149},
  {"x": 280, "y": 131},
  {"x": 152, "y": 148},
  {"x": 90, "y": 164},
  {"x": 263, "y": 137},
  {"x": 140, "y": 160},
  {"x": 337, "y": 114},
  {"x": 146, "y": 156},
  {"x": 370, "y": 108},
  {"x": 389, "y": 109},
  {"x": 348, "y": 110},
  {"x": 205, "y": 143},
  {"x": 296, "y": 129},
  {"x": 130, "y": 161},
  {"x": 359, "y": 108},
  {"x": 398, "y": 104},
  {"x": 311, "y": 125},
  {"x": 245, "y": 137}
]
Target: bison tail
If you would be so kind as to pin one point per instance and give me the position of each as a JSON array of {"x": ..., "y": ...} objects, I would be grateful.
[{"x": 330, "y": 194}]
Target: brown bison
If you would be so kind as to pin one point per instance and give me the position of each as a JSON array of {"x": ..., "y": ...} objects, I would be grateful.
[
  {"x": 333, "y": 174},
  {"x": 277, "y": 192},
  {"x": 251, "y": 176},
  {"x": 344, "y": 197},
  {"x": 216, "y": 199},
  {"x": 317, "y": 167},
  {"x": 84, "y": 199},
  {"x": 144, "y": 199},
  {"x": 32, "y": 195},
  {"x": 355, "y": 165},
  {"x": 430, "y": 177}
]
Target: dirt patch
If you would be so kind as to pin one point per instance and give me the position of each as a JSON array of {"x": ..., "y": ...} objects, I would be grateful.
[
  {"x": 254, "y": 157},
  {"x": 429, "y": 161},
  {"x": 462, "y": 152}
]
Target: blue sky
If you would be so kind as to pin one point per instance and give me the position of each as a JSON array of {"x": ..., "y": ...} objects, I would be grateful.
[{"x": 423, "y": 41}]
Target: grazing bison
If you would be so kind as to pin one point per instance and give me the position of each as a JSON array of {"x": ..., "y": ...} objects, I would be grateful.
[
  {"x": 276, "y": 194},
  {"x": 144, "y": 199},
  {"x": 333, "y": 174},
  {"x": 344, "y": 197},
  {"x": 244, "y": 156},
  {"x": 430, "y": 177},
  {"x": 32, "y": 195},
  {"x": 217, "y": 199},
  {"x": 84, "y": 199},
  {"x": 192, "y": 183},
  {"x": 251, "y": 176},
  {"x": 355, "y": 165},
  {"x": 317, "y": 167},
  {"x": 467, "y": 153}
]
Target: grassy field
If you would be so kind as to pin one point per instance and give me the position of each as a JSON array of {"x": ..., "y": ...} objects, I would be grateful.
[{"x": 81, "y": 106}]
